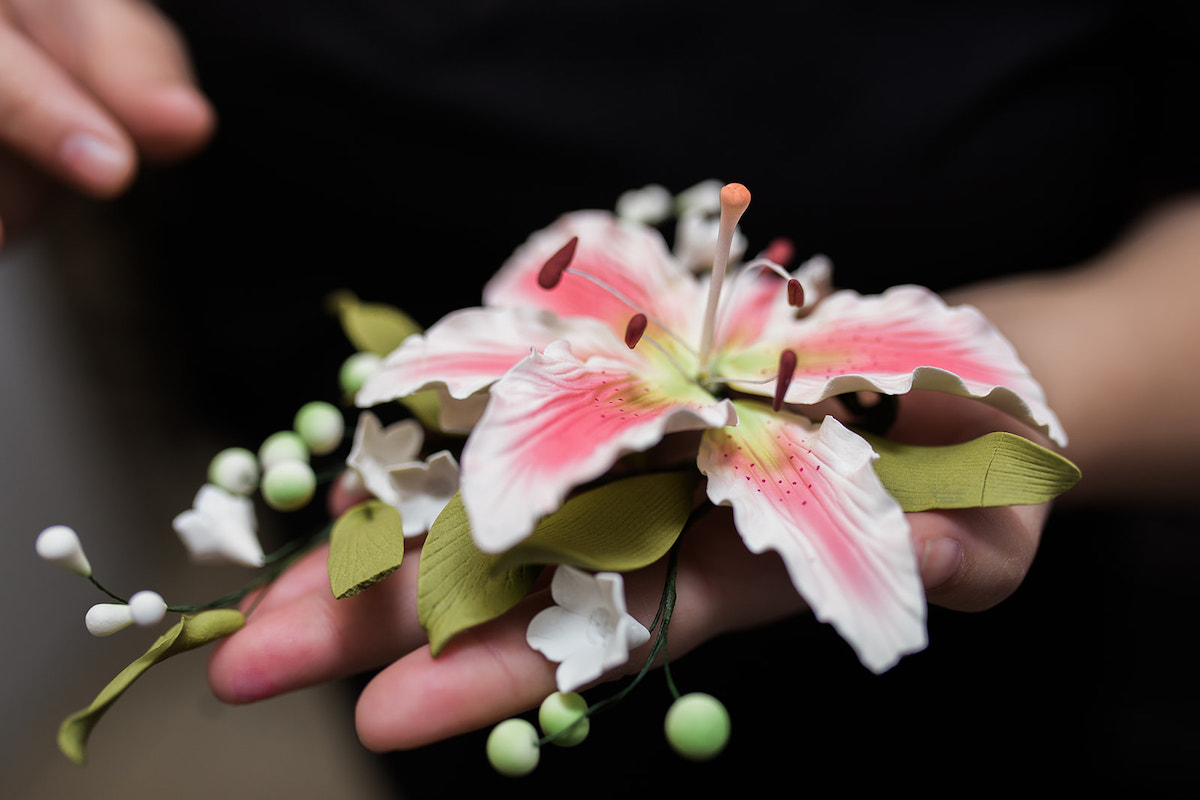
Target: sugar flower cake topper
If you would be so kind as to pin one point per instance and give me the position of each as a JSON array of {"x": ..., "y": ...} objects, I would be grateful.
[{"x": 610, "y": 392}]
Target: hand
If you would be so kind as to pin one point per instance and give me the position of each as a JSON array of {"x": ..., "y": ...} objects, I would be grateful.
[
  {"x": 87, "y": 87},
  {"x": 300, "y": 636}
]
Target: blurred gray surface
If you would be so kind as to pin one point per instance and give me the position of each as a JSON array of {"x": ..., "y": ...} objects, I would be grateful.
[{"x": 87, "y": 440}]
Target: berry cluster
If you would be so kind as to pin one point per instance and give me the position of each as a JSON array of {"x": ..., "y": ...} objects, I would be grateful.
[{"x": 696, "y": 727}]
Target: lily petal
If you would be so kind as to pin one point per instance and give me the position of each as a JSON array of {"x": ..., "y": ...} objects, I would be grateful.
[
  {"x": 810, "y": 493},
  {"x": 630, "y": 259},
  {"x": 555, "y": 421},
  {"x": 466, "y": 352},
  {"x": 906, "y": 338}
]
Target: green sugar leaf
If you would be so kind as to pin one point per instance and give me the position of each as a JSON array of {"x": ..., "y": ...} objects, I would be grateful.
[
  {"x": 621, "y": 526},
  {"x": 999, "y": 469},
  {"x": 365, "y": 546},
  {"x": 372, "y": 327},
  {"x": 187, "y": 634},
  {"x": 457, "y": 587}
]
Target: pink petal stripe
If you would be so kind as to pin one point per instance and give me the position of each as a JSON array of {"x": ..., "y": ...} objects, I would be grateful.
[
  {"x": 554, "y": 422},
  {"x": 470, "y": 349},
  {"x": 810, "y": 493},
  {"x": 906, "y": 338},
  {"x": 632, "y": 259}
]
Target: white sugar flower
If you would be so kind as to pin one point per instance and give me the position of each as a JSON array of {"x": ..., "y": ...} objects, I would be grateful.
[
  {"x": 60, "y": 545},
  {"x": 386, "y": 459},
  {"x": 588, "y": 632},
  {"x": 220, "y": 527}
]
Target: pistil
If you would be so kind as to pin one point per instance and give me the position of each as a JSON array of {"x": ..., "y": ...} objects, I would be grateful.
[{"x": 734, "y": 200}]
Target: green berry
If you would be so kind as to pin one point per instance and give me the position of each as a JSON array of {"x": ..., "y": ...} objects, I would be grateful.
[
  {"x": 320, "y": 425},
  {"x": 282, "y": 446},
  {"x": 356, "y": 369},
  {"x": 234, "y": 469},
  {"x": 564, "y": 712},
  {"x": 288, "y": 485},
  {"x": 512, "y": 747},
  {"x": 697, "y": 726}
]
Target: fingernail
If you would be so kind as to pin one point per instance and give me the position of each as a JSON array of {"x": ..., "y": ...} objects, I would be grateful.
[
  {"x": 941, "y": 560},
  {"x": 99, "y": 164}
]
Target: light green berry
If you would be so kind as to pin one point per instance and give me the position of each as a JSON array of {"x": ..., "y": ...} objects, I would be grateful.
[
  {"x": 288, "y": 485},
  {"x": 697, "y": 726},
  {"x": 320, "y": 425},
  {"x": 512, "y": 747},
  {"x": 356, "y": 369},
  {"x": 282, "y": 446},
  {"x": 234, "y": 469},
  {"x": 564, "y": 712}
]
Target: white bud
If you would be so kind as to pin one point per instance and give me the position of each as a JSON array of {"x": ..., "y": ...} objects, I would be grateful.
[
  {"x": 60, "y": 545},
  {"x": 105, "y": 619},
  {"x": 147, "y": 608}
]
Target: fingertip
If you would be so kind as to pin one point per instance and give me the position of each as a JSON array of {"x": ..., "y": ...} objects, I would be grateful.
[
  {"x": 176, "y": 121},
  {"x": 100, "y": 165},
  {"x": 941, "y": 559},
  {"x": 236, "y": 679}
]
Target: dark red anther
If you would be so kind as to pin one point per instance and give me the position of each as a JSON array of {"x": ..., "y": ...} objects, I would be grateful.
[
  {"x": 634, "y": 330},
  {"x": 556, "y": 265},
  {"x": 795, "y": 293},
  {"x": 787, "y": 368}
]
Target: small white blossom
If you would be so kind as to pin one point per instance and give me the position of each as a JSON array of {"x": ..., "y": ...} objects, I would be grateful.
[
  {"x": 386, "y": 459},
  {"x": 220, "y": 527},
  {"x": 60, "y": 545},
  {"x": 588, "y": 632}
]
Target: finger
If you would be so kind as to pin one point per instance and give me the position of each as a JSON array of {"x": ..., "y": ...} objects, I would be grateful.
[
  {"x": 133, "y": 61},
  {"x": 972, "y": 559},
  {"x": 306, "y": 637},
  {"x": 83, "y": 84},
  {"x": 484, "y": 675},
  {"x": 47, "y": 119},
  {"x": 490, "y": 672}
]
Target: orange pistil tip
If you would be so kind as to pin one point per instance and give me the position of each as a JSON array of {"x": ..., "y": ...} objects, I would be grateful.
[
  {"x": 734, "y": 198},
  {"x": 552, "y": 271}
]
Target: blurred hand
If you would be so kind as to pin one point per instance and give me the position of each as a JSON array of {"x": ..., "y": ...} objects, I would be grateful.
[{"x": 87, "y": 88}]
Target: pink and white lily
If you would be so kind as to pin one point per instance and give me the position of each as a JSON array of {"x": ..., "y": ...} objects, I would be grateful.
[{"x": 554, "y": 386}]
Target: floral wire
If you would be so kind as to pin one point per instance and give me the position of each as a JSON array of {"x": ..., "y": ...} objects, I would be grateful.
[{"x": 282, "y": 558}]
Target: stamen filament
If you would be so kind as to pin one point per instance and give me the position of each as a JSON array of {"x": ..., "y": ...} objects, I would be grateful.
[
  {"x": 634, "y": 306},
  {"x": 734, "y": 200}
]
